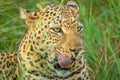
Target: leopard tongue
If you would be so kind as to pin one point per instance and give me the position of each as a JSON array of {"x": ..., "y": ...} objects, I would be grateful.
[{"x": 64, "y": 61}]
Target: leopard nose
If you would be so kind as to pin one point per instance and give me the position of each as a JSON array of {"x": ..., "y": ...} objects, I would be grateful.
[{"x": 75, "y": 50}]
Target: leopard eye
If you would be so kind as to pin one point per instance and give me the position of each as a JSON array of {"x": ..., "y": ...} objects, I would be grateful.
[
  {"x": 56, "y": 30},
  {"x": 80, "y": 28}
]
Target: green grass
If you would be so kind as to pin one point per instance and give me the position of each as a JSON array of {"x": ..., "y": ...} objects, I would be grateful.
[{"x": 101, "y": 19}]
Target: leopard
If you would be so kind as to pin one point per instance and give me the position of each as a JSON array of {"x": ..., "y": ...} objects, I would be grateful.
[{"x": 52, "y": 48}]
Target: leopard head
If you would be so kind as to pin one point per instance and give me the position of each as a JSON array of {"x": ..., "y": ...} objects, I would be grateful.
[{"x": 55, "y": 35}]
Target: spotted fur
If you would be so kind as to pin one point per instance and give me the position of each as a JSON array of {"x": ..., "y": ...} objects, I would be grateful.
[{"x": 54, "y": 32}]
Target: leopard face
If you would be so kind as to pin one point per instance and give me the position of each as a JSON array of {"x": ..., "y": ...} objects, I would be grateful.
[{"x": 53, "y": 44}]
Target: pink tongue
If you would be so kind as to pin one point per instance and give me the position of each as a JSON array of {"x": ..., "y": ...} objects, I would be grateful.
[{"x": 64, "y": 60}]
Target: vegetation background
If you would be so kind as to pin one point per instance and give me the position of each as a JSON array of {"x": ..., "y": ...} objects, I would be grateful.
[{"x": 101, "y": 19}]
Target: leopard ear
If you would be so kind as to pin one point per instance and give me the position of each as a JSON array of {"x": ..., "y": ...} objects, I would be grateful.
[
  {"x": 30, "y": 17},
  {"x": 73, "y": 6},
  {"x": 25, "y": 14}
]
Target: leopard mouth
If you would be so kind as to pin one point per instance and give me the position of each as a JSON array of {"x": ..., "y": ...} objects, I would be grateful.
[
  {"x": 62, "y": 72},
  {"x": 63, "y": 65}
]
